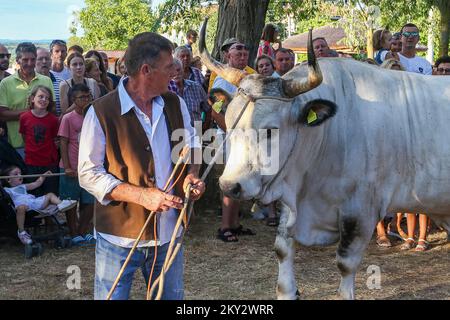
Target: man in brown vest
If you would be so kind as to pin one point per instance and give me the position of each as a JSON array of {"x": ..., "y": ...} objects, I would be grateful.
[{"x": 125, "y": 161}]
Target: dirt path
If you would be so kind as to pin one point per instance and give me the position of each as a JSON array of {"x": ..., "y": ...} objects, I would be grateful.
[{"x": 243, "y": 270}]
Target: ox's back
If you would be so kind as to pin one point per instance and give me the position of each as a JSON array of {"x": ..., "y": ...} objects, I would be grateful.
[{"x": 389, "y": 136}]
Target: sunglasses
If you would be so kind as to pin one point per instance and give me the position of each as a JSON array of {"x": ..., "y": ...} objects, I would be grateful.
[
  {"x": 239, "y": 47},
  {"x": 407, "y": 34},
  {"x": 441, "y": 70},
  {"x": 5, "y": 55}
]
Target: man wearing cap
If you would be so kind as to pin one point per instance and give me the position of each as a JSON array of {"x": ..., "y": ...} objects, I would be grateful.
[
  {"x": 15, "y": 89},
  {"x": 224, "y": 53},
  {"x": 237, "y": 57},
  {"x": 58, "y": 52}
]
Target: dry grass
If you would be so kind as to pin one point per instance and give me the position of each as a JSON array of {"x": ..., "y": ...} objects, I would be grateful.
[{"x": 243, "y": 270}]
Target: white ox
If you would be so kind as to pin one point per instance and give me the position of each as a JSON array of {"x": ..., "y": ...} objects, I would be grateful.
[{"x": 386, "y": 149}]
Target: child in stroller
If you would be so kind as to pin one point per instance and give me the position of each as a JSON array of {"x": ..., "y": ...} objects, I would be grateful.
[{"x": 24, "y": 202}]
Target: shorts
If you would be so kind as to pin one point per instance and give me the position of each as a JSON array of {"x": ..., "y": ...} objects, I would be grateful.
[{"x": 69, "y": 188}]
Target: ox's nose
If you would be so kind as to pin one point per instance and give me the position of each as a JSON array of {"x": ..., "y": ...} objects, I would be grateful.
[{"x": 232, "y": 190}]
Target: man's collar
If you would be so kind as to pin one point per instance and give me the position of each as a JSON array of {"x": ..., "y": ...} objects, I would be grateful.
[
  {"x": 17, "y": 76},
  {"x": 127, "y": 103}
]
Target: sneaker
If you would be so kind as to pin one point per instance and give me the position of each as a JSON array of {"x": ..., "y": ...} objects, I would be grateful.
[
  {"x": 78, "y": 241},
  {"x": 66, "y": 205},
  {"x": 89, "y": 238},
  {"x": 24, "y": 237}
]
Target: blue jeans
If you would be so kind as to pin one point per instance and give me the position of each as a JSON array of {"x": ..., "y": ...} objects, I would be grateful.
[{"x": 109, "y": 258}]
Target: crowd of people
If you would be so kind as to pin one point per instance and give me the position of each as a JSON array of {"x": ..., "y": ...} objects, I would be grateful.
[{"x": 119, "y": 160}]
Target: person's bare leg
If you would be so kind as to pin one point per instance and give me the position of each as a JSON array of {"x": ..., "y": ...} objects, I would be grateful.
[
  {"x": 382, "y": 239},
  {"x": 20, "y": 217},
  {"x": 72, "y": 222},
  {"x": 53, "y": 199},
  {"x": 399, "y": 226},
  {"x": 423, "y": 226},
  {"x": 86, "y": 215},
  {"x": 411, "y": 223}
]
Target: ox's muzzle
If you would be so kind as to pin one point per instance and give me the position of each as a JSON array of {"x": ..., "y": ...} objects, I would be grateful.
[{"x": 231, "y": 189}]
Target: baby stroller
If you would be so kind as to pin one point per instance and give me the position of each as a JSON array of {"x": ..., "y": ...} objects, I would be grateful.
[{"x": 43, "y": 225}]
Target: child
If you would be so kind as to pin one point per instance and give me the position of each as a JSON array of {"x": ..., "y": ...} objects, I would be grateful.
[
  {"x": 39, "y": 129},
  {"x": 381, "y": 44},
  {"x": 24, "y": 202},
  {"x": 69, "y": 132},
  {"x": 270, "y": 35}
]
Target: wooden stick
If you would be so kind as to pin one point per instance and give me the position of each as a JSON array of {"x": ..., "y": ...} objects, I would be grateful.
[{"x": 34, "y": 175}]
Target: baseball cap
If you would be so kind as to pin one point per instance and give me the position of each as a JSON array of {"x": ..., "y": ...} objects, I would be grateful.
[{"x": 228, "y": 43}]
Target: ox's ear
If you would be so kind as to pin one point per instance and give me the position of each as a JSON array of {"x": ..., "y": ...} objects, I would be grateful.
[{"x": 315, "y": 112}]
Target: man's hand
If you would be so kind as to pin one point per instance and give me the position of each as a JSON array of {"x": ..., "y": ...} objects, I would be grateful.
[
  {"x": 198, "y": 186},
  {"x": 154, "y": 199}
]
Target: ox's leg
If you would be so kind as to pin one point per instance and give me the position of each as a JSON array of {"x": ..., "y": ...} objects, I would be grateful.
[
  {"x": 355, "y": 236},
  {"x": 285, "y": 251}
]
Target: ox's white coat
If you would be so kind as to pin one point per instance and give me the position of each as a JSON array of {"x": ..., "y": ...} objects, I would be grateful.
[{"x": 386, "y": 150}]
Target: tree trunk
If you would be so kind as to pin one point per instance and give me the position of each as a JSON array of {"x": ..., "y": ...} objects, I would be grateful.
[
  {"x": 444, "y": 8},
  {"x": 241, "y": 19}
]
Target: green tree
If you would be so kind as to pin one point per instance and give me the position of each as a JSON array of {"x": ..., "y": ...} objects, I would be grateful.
[
  {"x": 444, "y": 10},
  {"x": 109, "y": 24}
]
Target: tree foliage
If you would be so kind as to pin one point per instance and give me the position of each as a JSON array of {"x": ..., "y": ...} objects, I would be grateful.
[{"x": 109, "y": 24}]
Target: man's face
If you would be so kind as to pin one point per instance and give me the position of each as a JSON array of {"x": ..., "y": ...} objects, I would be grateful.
[
  {"x": 238, "y": 56},
  {"x": 27, "y": 63},
  {"x": 192, "y": 39},
  {"x": 443, "y": 69},
  {"x": 43, "y": 61},
  {"x": 185, "y": 57},
  {"x": 283, "y": 62},
  {"x": 410, "y": 37},
  {"x": 321, "y": 48},
  {"x": 162, "y": 71},
  {"x": 59, "y": 53},
  {"x": 178, "y": 73},
  {"x": 4, "y": 58}
]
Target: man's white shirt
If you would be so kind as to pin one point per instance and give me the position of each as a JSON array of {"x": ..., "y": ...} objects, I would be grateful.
[{"x": 416, "y": 64}]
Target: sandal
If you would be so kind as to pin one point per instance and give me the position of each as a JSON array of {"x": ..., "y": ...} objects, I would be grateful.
[
  {"x": 272, "y": 221},
  {"x": 422, "y": 245},
  {"x": 241, "y": 231},
  {"x": 383, "y": 242},
  {"x": 408, "y": 245},
  {"x": 227, "y": 235}
]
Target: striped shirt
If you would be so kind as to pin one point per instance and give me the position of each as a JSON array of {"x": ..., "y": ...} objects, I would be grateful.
[
  {"x": 196, "y": 76},
  {"x": 56, "y": 80}
]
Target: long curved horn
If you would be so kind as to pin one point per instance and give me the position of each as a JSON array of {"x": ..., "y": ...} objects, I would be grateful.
[
  {"x": 232, "y": 75},
  {"x": 294, "y": 87}
]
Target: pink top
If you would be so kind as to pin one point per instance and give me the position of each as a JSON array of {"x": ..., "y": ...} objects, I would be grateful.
[{"x": 70, "y": 128}]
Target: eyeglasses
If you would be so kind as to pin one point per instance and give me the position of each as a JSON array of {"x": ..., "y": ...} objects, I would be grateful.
[
  {"x": 85, "y": 97},
  {"x": 442, "y": 70},
  {"x": 239, "y": 47},
  {"x": 413, "y": 34},
  {"x": 5, "y": 55}
]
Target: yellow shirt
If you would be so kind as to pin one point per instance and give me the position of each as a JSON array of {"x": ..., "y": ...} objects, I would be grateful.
[{"x": 214, "y": 75}]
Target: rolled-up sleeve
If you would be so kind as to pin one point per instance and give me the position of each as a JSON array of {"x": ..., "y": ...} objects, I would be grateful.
[{"x": 92, "y": 174}]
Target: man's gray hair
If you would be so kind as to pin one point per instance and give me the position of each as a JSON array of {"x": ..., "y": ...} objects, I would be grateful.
[
  {"x": 180, "y": 49},
  {"x": 145, "y": 48}
]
